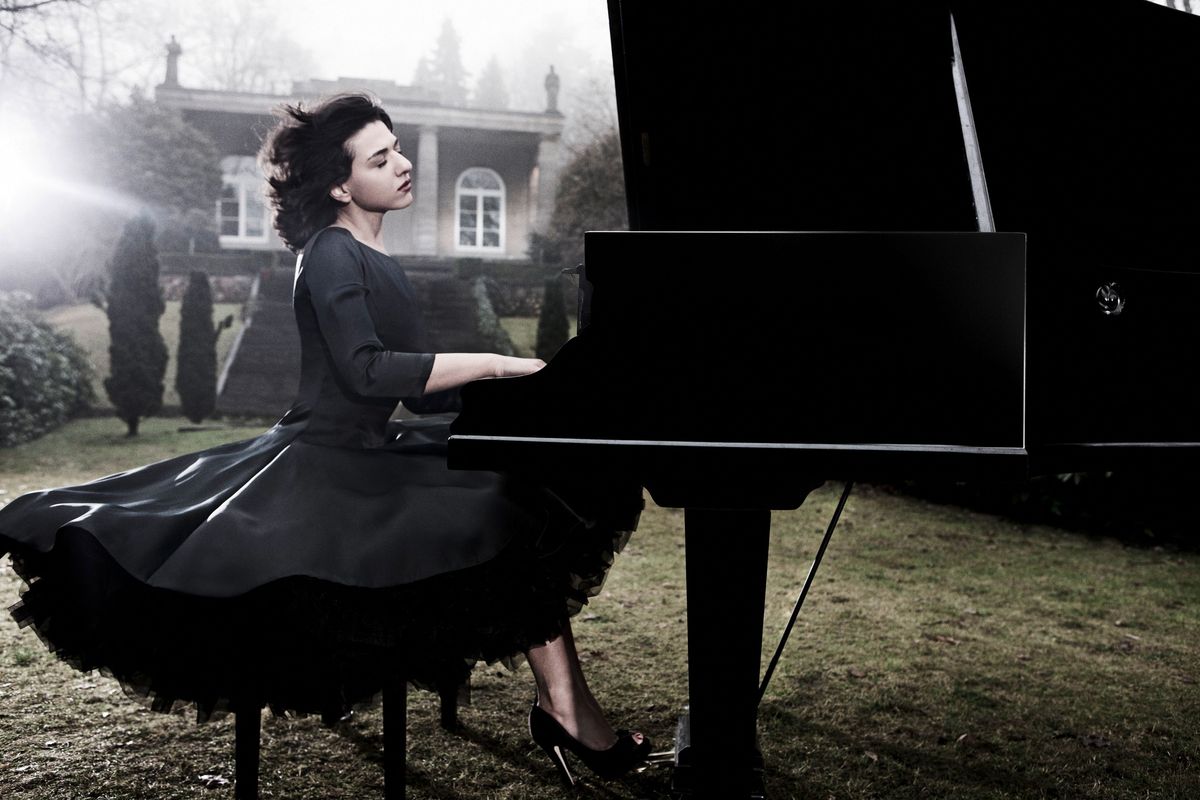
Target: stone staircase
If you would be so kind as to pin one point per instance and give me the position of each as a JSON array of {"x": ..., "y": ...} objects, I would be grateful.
[
  {"x": 262, "y": 372},
  {"x": 449, "y": 311}
]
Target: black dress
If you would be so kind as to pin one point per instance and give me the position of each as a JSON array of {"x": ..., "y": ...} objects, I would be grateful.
[{"x": 302, "y": 568}]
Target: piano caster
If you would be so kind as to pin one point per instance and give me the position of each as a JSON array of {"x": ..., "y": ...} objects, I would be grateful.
[{"x": 689, "y": 781}]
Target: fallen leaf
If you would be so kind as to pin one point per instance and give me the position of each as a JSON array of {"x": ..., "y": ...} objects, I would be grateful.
[
  {"x": 965, "y": 739},
  {"x": 871, "y": 755},
  {"x": 855, "y": 672},
  {"x": 214, "y": 781},
  {"x": 1023, "y": 657}
]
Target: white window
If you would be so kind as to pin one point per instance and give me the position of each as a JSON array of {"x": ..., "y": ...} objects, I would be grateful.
[
  {"x": 479, "y": 222},
  {"x": 242, "y": 213}
]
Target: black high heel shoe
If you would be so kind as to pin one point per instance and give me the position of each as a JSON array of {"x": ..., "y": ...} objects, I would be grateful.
[{"x": 548, "y": 734}]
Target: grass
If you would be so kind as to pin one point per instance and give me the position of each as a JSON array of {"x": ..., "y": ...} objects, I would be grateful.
[
  {"x": 942, "y": 653},
  {"x": 89, "y": 324},
  {"x": 523, "y": 332},
  {"x": 89, "y": 447}
]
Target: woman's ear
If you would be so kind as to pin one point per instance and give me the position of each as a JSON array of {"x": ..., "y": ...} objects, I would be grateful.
[{"x": 340, "y": 193}]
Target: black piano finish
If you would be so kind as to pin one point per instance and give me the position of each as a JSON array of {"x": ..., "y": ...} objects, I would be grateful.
[
  {"x": 843, "y": 117},
  {"x": 712, "y": 357},
  {"x": 1086, "y": 132}
]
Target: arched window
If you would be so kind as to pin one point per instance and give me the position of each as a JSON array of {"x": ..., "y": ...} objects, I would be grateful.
[
  {"x": 479, "y": 223},
  {"x": 242, "y": 210}
]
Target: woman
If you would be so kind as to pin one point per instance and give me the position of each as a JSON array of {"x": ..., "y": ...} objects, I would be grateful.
[{"x": 300, "y": 568}]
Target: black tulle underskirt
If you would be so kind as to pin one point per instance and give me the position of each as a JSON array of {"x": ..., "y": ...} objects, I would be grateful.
[
  {"x": 272, "y": 572},
  {"x": 301, "y": 644}
]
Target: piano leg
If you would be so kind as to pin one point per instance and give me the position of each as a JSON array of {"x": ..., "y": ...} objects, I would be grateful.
[{"x": 726, "y": 591}]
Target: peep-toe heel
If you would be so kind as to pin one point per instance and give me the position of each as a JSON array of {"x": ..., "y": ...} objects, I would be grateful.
[{"x": 554, "y": 740}]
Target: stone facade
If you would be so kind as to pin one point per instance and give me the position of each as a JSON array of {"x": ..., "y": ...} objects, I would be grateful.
[{"x": 519, "y": 149}]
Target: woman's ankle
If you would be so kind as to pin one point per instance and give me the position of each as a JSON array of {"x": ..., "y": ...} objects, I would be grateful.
[{"x": 580, "y": 716}]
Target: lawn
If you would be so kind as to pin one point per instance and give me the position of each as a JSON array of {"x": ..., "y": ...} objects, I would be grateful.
[
  {"x": 89, "y": 324},
  {"x": 942, "y": 653},
  {"x": 523, "y": 332}
]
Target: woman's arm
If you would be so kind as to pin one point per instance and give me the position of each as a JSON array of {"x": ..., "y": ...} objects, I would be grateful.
[
  {"x": 455, "y": 369},
  {"x": 332, "y": 273}
]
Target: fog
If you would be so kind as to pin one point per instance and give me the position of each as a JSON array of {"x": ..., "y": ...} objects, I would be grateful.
[{"x": 82, "y": 55}]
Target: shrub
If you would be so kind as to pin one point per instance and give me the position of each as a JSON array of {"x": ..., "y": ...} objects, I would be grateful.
[
  {"x": 137, "y": 352},
  {"x": 493, "y": 335},
  {"x": 45, "y": 378},
  {"x": 553, "y": 329},
  {"x": 196, "y": 360},
  {"x": 1137, "y": 506}
]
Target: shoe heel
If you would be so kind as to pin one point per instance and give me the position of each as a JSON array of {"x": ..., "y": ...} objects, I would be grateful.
[
  {"x": 547, "y": 736},
  {"x": 560, "y": 761}
]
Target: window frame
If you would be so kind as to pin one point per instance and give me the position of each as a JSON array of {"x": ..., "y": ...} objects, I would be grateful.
[
  {"x": 479, "y": 194},
  {"x": 241, "y": 174}
]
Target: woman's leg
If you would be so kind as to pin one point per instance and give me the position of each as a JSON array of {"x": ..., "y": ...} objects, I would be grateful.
[{"x": 563, "y": 692}]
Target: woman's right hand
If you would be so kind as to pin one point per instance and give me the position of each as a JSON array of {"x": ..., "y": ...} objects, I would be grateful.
[
  {"x": 512, "y": 367},
  {"x": 455, "y": 369}
]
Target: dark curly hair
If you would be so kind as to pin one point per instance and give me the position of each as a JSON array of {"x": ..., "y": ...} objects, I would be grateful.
[{"x": 305, "y": 155}]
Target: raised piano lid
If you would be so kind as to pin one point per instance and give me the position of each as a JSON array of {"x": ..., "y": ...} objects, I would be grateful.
[
  {"x": 789, "y": 116},
  {"x": 844, "y": 116},
  {"x": 1084, "y": 121}
]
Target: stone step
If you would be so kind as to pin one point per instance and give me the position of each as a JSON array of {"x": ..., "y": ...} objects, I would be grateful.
[{"x": 265, "y": 374}]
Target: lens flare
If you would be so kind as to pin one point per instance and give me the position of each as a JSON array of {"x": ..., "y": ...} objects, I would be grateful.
[{"x": 36, "y": 188}]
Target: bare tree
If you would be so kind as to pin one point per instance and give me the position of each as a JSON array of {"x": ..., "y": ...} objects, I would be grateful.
[
  {"x": 76, "y": 51},
  {"x": 239, "y": 47}
]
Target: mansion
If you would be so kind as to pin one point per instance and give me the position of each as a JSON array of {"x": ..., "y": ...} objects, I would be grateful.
[{"x": 484, "y": 179}]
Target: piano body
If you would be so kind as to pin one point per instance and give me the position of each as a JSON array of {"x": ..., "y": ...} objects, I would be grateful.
[{"x": 869, "y": 240}]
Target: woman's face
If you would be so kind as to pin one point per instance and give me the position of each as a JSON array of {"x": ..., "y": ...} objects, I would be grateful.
[{"x": 380, "y": 176}]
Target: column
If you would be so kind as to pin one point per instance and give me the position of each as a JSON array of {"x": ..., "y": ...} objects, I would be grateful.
[
  {"x": 426, "y": 233},
  {"x": 549, "y": 165}
]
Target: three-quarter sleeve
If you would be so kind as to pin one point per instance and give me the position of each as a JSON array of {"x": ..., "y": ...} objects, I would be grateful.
[{"x": 332, "y": 268}]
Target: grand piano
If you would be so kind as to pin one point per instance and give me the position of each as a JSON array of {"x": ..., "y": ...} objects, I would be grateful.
[{"x": 869, "y": 240}]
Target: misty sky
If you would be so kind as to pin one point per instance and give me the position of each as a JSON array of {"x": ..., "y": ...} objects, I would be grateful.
[
  {"x": 121, "y": 43},
  {"x": 385, "y": 38}
]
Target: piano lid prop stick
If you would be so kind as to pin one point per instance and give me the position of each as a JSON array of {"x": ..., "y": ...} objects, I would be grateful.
[{"x": 812, "y": 571}]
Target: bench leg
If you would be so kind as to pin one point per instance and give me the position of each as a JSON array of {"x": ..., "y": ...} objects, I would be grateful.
[
  {"x": 395, "y": 743},
  {"x": 247, "y": 724},
  {"x": 452, "y": 695}
]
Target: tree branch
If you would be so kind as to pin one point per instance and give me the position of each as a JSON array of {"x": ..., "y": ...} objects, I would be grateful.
[{"x": 9, "y": 7}]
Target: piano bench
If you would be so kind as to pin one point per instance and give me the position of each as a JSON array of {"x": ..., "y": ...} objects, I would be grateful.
[{"x": 248, "y": 723}]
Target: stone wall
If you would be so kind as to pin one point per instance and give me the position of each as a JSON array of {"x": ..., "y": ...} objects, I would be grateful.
[
  {"x": 230, "y": 274},
  {"x": 225, "y": 288}
]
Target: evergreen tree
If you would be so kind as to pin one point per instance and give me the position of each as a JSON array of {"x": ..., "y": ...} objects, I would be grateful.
[
  {"x": 590, "y": 197},
  {"x": 552, "y": 322},
  {"x": 151, "y": 153},
  {"x": 445, "y": 70},
  {"x": 196, "y": 361},
  {"x": 137, "y": 352},
  {"x": 423, "y": 77},
  {"x": 490, "y": 91}
]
